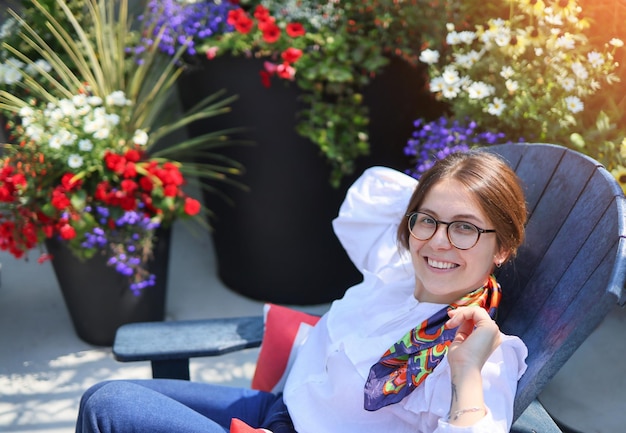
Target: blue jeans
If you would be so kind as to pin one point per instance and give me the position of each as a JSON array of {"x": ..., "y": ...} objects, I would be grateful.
[{"x": 162, "y": 405}]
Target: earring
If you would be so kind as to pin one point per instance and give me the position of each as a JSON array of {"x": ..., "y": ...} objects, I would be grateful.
[{"x": 499, "y": 265}]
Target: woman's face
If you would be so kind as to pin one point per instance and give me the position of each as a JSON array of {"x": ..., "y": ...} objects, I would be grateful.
[{"x": 443, "y": 273}]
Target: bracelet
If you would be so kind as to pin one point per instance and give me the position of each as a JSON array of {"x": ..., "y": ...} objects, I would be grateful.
[{"x": 461, "y": 412}]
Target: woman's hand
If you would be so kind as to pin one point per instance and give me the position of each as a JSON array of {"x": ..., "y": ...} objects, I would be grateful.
[{"x": 475, "y": 340}]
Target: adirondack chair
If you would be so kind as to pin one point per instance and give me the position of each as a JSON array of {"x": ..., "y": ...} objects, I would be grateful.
[{"x": 566, "y": 277}]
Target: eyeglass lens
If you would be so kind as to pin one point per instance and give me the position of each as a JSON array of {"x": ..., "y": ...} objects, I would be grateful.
[{"x": 461, "y": 234}]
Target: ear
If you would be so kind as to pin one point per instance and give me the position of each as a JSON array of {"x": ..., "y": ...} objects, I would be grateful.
[{"x": 501, "y": 257}]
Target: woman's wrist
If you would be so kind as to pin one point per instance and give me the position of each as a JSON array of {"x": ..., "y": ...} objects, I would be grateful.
[{"x": 467, "y": 404}]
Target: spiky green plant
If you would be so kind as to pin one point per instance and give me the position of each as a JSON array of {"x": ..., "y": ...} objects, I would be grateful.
[{"x": 96, "y": 46}]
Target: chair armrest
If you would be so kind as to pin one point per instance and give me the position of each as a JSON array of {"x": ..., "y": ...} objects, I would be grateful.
[
  {"x": 169, "y": 345},
  {"x": 535, "y": 419}
]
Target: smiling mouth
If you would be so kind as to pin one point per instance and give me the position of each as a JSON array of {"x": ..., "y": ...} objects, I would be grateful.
[{"x": 441, "y": 265}]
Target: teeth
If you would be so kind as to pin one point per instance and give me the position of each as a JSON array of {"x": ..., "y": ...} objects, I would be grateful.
[{"x": 440, "y": 265}]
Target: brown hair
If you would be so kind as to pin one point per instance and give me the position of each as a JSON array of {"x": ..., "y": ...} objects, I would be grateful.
[{"x": 491, "y": 181}]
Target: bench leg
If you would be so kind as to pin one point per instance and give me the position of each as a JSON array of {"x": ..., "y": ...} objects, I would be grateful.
[{"x": 171, "y": 369}]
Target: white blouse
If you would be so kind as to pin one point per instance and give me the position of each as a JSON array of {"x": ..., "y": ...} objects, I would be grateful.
[{"x": 324, "y": 390}]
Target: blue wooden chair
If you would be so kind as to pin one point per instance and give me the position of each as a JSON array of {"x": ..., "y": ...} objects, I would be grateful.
[{"x": 567, "y": 276}]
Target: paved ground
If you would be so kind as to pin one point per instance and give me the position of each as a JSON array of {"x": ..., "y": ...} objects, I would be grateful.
[{"x": 44, "y": 367}]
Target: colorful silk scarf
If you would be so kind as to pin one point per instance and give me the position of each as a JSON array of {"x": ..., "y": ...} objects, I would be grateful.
[{"x": 417, "y": 354}]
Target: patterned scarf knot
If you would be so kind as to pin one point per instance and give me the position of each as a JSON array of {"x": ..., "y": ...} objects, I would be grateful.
[{"x": 406, "y": 364}]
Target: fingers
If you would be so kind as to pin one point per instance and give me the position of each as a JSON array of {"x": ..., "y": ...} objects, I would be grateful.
[{"x": 469, "y": 316}]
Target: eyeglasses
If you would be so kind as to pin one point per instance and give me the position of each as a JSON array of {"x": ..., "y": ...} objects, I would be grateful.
[{"x": 461, "y": 234}]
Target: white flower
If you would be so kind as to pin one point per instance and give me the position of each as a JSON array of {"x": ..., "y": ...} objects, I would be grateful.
[
  {"x": 552, "y": 18},
  {"x": 75, "y": 161},
  {"x": 467, "y": 37},
  {"x": 79, "y": 100},
  {"x": 94, "y": 101},
  {"x": 117, "y": 98},
  {"x": 140, "y": 137},
  {"x": 54, "y": 142},
  {"x": 568, "y": 83},
  {"x": 102, "y": 133},
  {"x": 538, "y": 51},
  {"x": 507, "y": 72},
  {"x": 566, "y": 41},
  {"x": 437, "y": 84},
  {"x": 612, "y": 78},
  {"x": 453, "y": 38},
  {"x": 467, "y": 60},
  {"x": 574, "y": 104},
  {"x": 450, "y": 91},
  {"x": 450, "y": 75},
  {"x": 67, "y": 107},
  {"x": 113, "y": 119},
  {"x": 580, "y": 70},
  {"x": 511, "y": 85},
  {"x": 479, "y": 90},
  {"x": 429, "y": 56},
  {"x": 34, "y": 131},
  {"x": 595, "y": 85},
  {"x": 93, "y": 125},
  {"x": 496, "y": 107},
  {"x": 595, "y": 59},
  {"x": 35, "y": 68},
  {"x": 9, "y": 74},
  {"x": 616, "y": 42},
  {"x": 85, "y": 145},
  {"x": 26, "y": 111},
  {"x": 502, "y": 37},
  {"x": 63, "y": 137}
]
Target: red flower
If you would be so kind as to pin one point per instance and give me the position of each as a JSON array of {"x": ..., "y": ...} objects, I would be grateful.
[
  {"x": 18, "y": 179},
  {"x": 59, "y": 199},
  {"x": 286, "y": 71},
  {"x": 291, "y": 55},
  {"x": 102, "y": 191},
  {"x": 171, "y": 174},
  {"x": 129, "y": 186},
  {"x": 271, "y": 32},
  {"x": 146, "y": 183},
  {"x": 170, "y": 190},
  {"x": 114, "y": 162},
  {"x": 44, "y": 258},
  {"x": 192, "y": 206},
  {"x": 261, "y": 13},
  {"x": 240, "y": 20},
  {"x": 69, "y": 182},
  {"x": 265, "y": 79},
  {"x": 6, "y": 194},
  {"x": 67, "y": 232},
  {"x": 128, "y": 202},
  {"x": 295, "y": 29},
  {"x": 130, "y": 170},
  {"x": 211, "y": 53},
  {"x": 133, "y": 155}
]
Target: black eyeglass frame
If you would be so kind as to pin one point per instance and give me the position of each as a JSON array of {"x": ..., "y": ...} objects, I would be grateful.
[{"x": 448, "y": 224}]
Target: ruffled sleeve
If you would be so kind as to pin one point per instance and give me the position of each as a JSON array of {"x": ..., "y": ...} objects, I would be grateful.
[{"x": 369, "y": 216}]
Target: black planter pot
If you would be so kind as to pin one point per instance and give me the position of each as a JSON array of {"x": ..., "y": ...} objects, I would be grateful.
[
  {"x": 99, "y": 299},
  {"x": 276, "y": 242}
]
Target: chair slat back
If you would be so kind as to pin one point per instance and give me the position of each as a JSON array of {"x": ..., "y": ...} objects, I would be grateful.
[{"x": 570, "y": 271}]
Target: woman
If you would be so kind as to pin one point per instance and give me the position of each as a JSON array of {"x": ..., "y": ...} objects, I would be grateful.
[{"x": 413, "y": 348}]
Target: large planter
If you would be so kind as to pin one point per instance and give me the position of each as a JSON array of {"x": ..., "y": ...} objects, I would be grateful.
[
  {"x": 275, "y": 241},
  {"x": 99, "y": 299}
]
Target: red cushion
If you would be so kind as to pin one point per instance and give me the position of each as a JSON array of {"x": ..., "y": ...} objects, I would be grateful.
[
  {"x": 283, "y": 327},
  {"x": 238, "y": 426}
]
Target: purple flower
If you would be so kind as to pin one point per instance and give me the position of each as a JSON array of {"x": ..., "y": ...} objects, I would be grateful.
[
  {"x": 437, "y": 139},
  {"x": 184, "y": 23}
]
